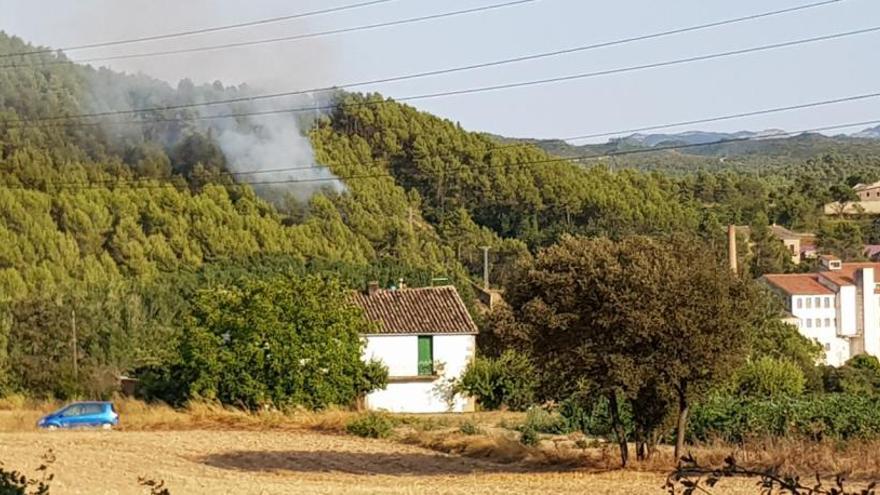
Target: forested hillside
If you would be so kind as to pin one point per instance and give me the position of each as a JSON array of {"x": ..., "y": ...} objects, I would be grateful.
[{"x": 116, "y": 219}]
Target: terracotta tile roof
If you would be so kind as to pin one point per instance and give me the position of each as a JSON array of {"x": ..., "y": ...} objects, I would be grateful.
[
  {"x": 798, "y": 283},
  {"x": 808, "y": 283},
  {"x": 427, "y": 310}
]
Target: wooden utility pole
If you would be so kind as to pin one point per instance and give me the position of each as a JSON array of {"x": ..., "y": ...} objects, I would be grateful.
[
  {"x": 485, "y": 267},
  {"x": 75, "y": 345}
]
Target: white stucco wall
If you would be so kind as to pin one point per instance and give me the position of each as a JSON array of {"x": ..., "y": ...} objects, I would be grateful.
[
  {"x": 871, "y": 329},
  {"x": 406, "y": 392},
  {"x": 812, "y": 322}
]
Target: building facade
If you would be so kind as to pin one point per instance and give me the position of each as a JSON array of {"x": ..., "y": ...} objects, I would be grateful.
[
  {"x": 838, "y": 306},
  {"x": 426, "y": 338}
]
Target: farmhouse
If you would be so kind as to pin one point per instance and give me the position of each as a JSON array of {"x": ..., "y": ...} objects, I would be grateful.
[
  {"x": 426, "y": 337},
  {"x": 839, "y": 306}
]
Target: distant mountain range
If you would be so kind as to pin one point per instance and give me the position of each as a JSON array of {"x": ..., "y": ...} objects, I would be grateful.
[
  {"x": 870, "y": 133},
  {"x": 693, "y": 137},
  {"x": 774, "y": 142}
]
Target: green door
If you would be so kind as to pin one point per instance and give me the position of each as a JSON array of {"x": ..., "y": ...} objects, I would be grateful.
[{"x": 426, "y": 355}]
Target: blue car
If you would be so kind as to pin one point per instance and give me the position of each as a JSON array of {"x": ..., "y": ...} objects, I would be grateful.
[{"x": 81, "y": 415}]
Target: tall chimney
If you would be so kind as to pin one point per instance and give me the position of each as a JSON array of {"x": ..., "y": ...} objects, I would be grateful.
[
  {"x": 731, "y": 247},
  {"x": 372, "y": 287},
  {"x": 485, "y": 267}
]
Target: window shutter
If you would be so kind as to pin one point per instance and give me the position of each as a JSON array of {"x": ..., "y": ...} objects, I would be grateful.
[{"x": 426, "y": 355}]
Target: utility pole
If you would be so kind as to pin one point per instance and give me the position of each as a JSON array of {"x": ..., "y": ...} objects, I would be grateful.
[
  {"x": 75, "y": 357},
  {"x": 485, "y": 267}
]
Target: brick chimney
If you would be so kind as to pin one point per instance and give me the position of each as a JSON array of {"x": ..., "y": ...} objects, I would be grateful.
[
  {"x": 731, "y": 247},
  {"x": 372, "y": 287}
]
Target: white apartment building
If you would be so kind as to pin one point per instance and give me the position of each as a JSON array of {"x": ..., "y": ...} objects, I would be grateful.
[{"x": 838, "y": 306}]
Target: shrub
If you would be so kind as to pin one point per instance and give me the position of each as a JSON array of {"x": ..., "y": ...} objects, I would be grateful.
[
  {"x": 371, "y": 425},
  {"x": 826, "y": 416},
  {"x": 769, "y": 377},
  {"x": 528, "y": 436},
  {"x": 543, "y": 421},
  {"x": 509, "y": 380},
  {"x": 591, "y": 415},
  {"x": 470, "y": 428},
  {"x": 282, "y": 341},
  {"x": 859, "y": 376}
]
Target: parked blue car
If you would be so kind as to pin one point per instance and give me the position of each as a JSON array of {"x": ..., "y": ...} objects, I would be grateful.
[{"x": 81, "y": 415}]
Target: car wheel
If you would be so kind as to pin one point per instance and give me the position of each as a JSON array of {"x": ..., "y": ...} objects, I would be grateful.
[
  {"x": 52, "y": 427},
  {"x": 106, "y": 426}
]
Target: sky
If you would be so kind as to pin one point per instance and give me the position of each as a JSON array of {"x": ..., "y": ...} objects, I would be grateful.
[{"x": 787, "y": 76}]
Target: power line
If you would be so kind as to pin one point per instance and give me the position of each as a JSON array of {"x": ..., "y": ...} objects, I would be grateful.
[
  {"x": 193, "y": 32},
  {"x": 579, "y": 158},
  {"x": 725, "y": 117},
  {"x": 298, "y": 37},
  {"x": 598, "y": 155},
  {"x": 720, "y": 118},
  {"x": 484, "y": 89},
  {"x": 437, "y": 72}
]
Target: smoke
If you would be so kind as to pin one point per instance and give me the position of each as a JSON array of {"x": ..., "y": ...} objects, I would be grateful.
[
  {"x": 252, "y": 145},
  {"x": 272, "y": 152}
]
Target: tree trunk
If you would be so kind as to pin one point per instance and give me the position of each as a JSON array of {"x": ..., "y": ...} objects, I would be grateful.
[
  {"x": 617, "y": 426},
  {"x": 681, "y": 427}
]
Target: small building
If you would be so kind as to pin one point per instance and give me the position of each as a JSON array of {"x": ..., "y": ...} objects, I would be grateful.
[
  {"x": 426, "y": 338},
  {"x": 868, "y": 203},
  {"x": 838, "y": 306},
  {"x": 868, "y": 192},
  {"x": 794, "y": 242}
]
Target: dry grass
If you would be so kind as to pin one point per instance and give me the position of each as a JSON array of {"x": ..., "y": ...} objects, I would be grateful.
[{"x": 495, "y": 443}]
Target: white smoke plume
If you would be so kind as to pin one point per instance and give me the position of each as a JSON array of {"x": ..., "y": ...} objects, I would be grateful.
[{"x": 271, "y": 151}]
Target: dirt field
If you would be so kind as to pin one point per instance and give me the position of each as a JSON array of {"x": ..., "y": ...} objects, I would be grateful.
[{"x": 271, "y": 462}]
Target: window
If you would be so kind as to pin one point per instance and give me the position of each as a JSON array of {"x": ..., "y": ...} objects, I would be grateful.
[
  {"x": 827, "y": 322},
  {"x": 818, "y": 323},
  {"x": 809, "y": 323},
  {"x": 800, "y": 303},
  {"x": 72, "y": 411},
  {"x": 827, "y": 347},
  {"x": 827, "y": 302},
  {"x": 426, "y": 355},
  {"x": 809, "y": 303},
  {"x": 91, "y": 409},
  {"x": 818, "y": 302}
]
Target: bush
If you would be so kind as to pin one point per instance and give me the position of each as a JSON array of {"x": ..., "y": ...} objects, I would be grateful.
[
  {"x": 509, "y": 380},
  {"x": 859, "y": 376},
  {"x": 469, "y": 428},
  {"x": 827, "y": 416},
  {"x": 542, "y": 421},
  {"x": 283, "y": 341},
  {"x": 769, "y": 377},
  {"x": 591, "y": 415},
  {"x": 528, "y": 436},
  {"x": 371, "y": 425}
]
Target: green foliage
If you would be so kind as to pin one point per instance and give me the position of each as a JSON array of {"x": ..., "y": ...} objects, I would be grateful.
[
  {"x": 528, "y": 436},
  {"x": 843, "y": 239},
  {"x": 825, "y": 416},
  {"x": 775, "y": 339},
  {"x": 611, "y": 313},
  {"x": 767, "y": 377},
  {"x": 371, "y": 425},
  {"x": 543, "y": 421},
  {"x": 469, "y": 427},
  {"x": 591, "y": 415},
  {"x": 858, "y": 376},
  {"x": 507, "y": 381},
  {"x": 281, "y": 341}
]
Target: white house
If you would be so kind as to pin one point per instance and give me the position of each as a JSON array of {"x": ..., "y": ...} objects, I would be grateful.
[
  {"x": 426, "y": 337},
  {"x": 839, "y": 306}
]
